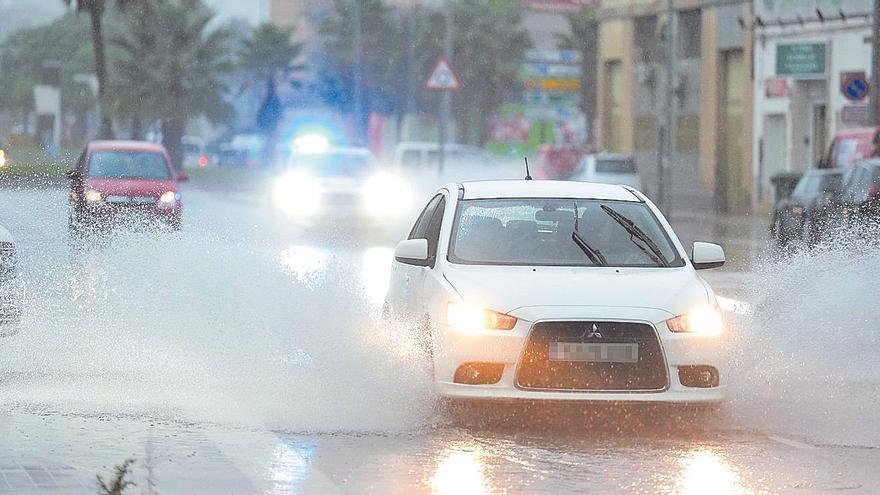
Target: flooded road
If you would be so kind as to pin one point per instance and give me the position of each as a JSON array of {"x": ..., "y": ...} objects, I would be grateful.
[{"x": 246, "y": 355}]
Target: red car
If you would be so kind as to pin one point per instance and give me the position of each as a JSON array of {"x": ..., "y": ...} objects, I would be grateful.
[{"x": 115, "y": 180}]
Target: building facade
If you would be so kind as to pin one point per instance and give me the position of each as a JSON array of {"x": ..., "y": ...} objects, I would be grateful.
[
  {"x": 710, "y": 164},
  {"x": 808, "y": 56}
]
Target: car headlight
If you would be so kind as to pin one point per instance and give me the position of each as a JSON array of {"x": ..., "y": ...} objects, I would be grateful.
[
  {"x": 386, "y": 193},
  {"x": 169, "y": 198},
  {"x": 297, "y": 193},
  {"x": 93, "y": 196},
  {"x": 703, "y": 320},
  {"x": 2, "y": 158},
  {"x": 466, "y": 317}
]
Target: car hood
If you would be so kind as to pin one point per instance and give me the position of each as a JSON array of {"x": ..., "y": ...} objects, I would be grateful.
[
  {"x": 515, "y": 289},
  {"x": 132, "y": 187}
]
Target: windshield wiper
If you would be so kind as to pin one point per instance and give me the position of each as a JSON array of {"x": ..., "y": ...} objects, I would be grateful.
[
  {"x": 650, "y": 248},
  {"x": 594, "y": 254}
]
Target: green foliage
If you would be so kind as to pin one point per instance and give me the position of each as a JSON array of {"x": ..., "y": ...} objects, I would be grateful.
[
  {"x": 490, "y": 45},
  {"x": 170, "y": 63},
  {"x": 65, "y": 41},
  {"x": 402, "y": 45},
  {"x": 269, "y": 52}
]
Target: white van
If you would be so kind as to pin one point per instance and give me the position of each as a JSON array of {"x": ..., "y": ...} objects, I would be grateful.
[{"x": 418, "y": 154}]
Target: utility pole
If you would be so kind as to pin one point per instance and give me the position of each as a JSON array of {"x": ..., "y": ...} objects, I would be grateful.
[
  {"x": 358, "y": 79},
  {"x": 446, "y": 103},
  {"x": 667, "y": 133},
  {"x": 875, "y": 64}
]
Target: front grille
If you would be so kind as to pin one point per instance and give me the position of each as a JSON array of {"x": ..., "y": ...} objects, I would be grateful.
[{"x": 538, "y": 371}]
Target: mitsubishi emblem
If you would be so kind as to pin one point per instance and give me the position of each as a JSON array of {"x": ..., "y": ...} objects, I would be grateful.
[{"x": 594, "y": 332}]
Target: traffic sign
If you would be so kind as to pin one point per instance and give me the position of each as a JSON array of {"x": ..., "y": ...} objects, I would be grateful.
[
  {"x": 442, "y": 77},
  {"x": 854, "y": 85}
]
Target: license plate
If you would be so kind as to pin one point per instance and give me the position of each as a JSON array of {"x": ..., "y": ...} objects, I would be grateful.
[
  {"x": 594, "y": 353},
  {"x": 130, "y": 200}
]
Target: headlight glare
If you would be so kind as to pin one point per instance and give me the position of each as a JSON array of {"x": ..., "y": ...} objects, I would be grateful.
[
  {"x": 466, "y": 317},
  {"x": 169, "y": 197},
  {"x": 385, "y": 194},
  {"x": 703, "y": 320},
  {"x": 297, "y": 193},
  {"x": 92, "y": 196}
]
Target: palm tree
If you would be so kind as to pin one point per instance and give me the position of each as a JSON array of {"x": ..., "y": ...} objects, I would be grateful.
[
  {"x": 173, "y": 65},
  {"x": 96, "y": 9},
  {"x": 268, "y": 54}
]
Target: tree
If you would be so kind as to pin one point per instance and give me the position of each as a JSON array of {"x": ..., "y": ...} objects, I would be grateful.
[
  {"x": 490, "y": 45},
  {"x": 96, "y": 10},
  {"x": 269, "y": 54},
  {"x": 583, "y": 36},
  {"x": 382, "y": 63},
  {"x": 65, "y": 41},
  {"x": 176, "y": 64}
]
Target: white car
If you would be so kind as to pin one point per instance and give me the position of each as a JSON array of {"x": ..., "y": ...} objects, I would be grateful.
[
  {"x": 560, "y": 291},
  {"x": 10, "y": 312},
  {"x": 321, "y": 183},
  {"x": 609, "y": 168}
]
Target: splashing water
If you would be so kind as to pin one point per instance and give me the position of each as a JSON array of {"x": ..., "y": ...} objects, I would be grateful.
[
  {"x": 199, "y": 328},
  {"x": 806, "y": 360}
]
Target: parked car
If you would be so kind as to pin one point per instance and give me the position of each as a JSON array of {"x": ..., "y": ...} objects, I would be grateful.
[
  {"x": 195, "y": 153},
  {"x": 850, "y": 146},
  {"x": 558, "y": 162},
  {"x": 804, "y": 214},
  {"x": 10, "y": 310},
  {"x": 118, "y": 180},
  {"x": 857, "y": 208},
  {"x": 608, "y": 168},
  {"x": 559, "y": 291}
]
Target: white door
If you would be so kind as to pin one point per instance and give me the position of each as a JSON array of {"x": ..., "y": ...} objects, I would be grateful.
[{"x": 404, "y": 277}]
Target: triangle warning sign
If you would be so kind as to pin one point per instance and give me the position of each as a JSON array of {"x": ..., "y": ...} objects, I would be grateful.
[{"x": 442, "y": 77}]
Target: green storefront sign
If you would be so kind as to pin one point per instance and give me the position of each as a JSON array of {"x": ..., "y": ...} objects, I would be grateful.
[{"x": 801, "y": 60}]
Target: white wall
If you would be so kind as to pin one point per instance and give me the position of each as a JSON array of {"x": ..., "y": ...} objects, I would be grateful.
[{"x": 847, "y": 51}]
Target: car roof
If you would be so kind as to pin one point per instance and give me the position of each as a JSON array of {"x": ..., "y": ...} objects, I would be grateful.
[
  {"x": 491, "y": 189},
  {"x": 125, "y": 146}
]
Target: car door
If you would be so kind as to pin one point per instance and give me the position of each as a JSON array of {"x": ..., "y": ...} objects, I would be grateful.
[
  {"x": 399, "y": 292},
  {"x": 420, "y": 287}
]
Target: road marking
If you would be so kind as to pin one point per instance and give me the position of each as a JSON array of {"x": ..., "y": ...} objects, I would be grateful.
[{"x": 792, "y": 443}]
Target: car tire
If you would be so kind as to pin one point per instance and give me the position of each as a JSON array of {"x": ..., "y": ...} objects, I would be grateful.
[
  {"x": 779, "y": 233},
  {"x": 808, "y": 233}
]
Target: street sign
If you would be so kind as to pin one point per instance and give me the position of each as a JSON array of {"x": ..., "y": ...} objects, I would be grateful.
[
  {"x": 854, "y": 85},
  {"x": 801, "y": 60},
  {"x": 442, "y": 77}
]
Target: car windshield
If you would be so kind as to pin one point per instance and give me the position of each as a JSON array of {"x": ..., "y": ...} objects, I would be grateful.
[
  {"x": 615, "y": 166},
  {"x": 129, "y": 165},
  {"x": 333, "y": 164},
  {"x": 538, "y": 232}
]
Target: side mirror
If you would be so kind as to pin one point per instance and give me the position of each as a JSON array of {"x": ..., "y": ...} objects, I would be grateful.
[
  {"x": 413, "y": 252},
  {"x": 182, "y": 177},
  {"x": 706, "y": 255}
]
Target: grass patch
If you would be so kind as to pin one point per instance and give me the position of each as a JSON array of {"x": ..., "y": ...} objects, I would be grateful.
[{"x": 34, "y": 162}]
